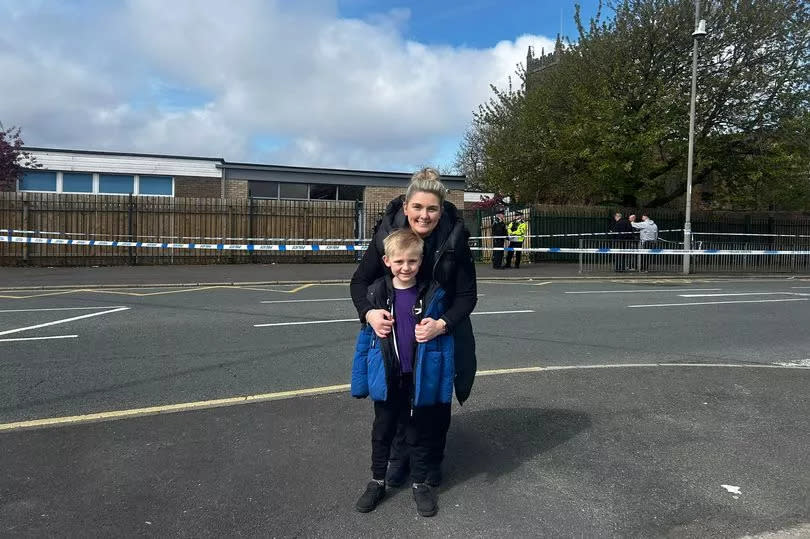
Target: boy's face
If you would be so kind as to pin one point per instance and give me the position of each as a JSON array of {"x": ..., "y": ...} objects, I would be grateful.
[{"x": 404, "y": 264}]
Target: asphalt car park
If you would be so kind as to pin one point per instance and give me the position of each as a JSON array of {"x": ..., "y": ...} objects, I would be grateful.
[{"x": 630, "y": 408}]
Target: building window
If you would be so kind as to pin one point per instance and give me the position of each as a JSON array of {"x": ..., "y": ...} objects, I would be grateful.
[
  {"x": 155, "y": 185},
  {"x": 350, "y": 192},
  {"x": 77, "y": 183},
  {"x": 38, "y": 181},
  {"x": 303, "y": 191},
  {"x": 263, "y": 189},
  {"x": 319, "y": 191},
  {"x": 294, "y": 190},
  {"x": 115, "y": 184}
]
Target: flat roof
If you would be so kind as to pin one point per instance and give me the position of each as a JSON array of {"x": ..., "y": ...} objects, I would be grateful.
[
  {"x": 222, "y": 163},
  {"x": 123, "y": 154}
]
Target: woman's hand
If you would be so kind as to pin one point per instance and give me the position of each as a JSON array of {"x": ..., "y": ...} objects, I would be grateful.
[
  {"x": 381, "y": 321},
  {"x": 429, "y": 329}
]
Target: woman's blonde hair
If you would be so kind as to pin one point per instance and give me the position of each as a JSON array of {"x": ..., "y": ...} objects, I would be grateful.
[{"x": 427, "y": 180}]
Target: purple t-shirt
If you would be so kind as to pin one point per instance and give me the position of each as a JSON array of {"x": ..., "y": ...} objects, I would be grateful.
[{"x": 405, "y": 325}]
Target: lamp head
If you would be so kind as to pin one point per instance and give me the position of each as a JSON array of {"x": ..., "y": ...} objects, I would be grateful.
[{"x": 701, "y": 29}]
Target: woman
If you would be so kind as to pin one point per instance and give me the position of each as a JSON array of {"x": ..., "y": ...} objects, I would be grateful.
[{"x": 448, "y": 260}]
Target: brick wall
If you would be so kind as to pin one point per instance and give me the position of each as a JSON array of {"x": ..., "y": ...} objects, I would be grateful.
[
  {"x": 382, "y": 195},
  {"x": 236, "y": 189},
  {"x": 456, "y": 197},
  {"x": 192, "y": 187}
]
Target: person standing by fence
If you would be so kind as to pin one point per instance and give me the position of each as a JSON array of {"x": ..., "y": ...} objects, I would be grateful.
[
  {"x": 498, "y": 239},
  {"x": 622, "y": 229},
  {"x": 648, "y": 237},
  {"x": 516, "y": 230}
]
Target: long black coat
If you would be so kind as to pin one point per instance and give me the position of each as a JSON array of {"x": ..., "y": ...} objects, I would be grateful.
[
  {"x": 447, "y": 260},
  {"x": 498, "y": 229}
]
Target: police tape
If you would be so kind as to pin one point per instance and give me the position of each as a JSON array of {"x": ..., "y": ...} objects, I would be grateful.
[
  {"x": 751, "y": 235},
  {"x": 608, "y": 250},
  {"x": 8, "y": 231},
  {"x": 159, "y": 245},
  {"x": 318, "y": 247},
  {"x": 572, "y": 235}
]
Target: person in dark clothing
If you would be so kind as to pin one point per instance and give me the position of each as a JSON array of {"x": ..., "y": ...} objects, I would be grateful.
[
  {"x": 498, "y": 239},
  {"x": 623, "y": 229},
  {"x": 447, "y": 260}
]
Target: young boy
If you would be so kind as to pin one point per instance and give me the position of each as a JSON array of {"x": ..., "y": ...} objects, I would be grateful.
[{"x": 406, "y": 379}]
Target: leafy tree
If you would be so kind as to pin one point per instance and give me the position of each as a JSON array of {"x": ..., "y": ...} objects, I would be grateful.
[
  {"x": 13, "y": 159},
  {"x": 606, "y": 119}
]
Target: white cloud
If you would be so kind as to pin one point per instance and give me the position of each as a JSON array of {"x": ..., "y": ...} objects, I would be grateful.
[{"x": 343, "y": 92}]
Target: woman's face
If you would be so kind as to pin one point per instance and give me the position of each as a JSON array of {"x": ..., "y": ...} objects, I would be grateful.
[{"x": 423, "y": 211}]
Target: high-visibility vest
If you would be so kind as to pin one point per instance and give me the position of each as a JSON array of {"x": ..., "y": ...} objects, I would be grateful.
[{"x": 517, "y": 230}]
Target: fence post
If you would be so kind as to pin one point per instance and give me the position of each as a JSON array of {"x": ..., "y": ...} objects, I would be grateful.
[
  {"x": 359, "y": 228},
  {"x": 131, "y": 227},
  {"x": 25, "y": 224},
  {"x": 251, "y": 258},
  {"x": 580, "y": 255}
]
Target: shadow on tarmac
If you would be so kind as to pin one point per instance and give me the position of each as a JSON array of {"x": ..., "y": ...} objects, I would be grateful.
[{"x": 496, "y": 442}]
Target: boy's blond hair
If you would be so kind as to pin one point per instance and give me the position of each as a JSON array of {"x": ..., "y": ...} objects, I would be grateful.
[{"x": 403, "y": 239}]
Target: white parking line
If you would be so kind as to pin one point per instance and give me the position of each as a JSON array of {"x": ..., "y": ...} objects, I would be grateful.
[
  {"x": 738, "y": 294},
  {"x": 63, "y": 321},
  {"x": 40, "y": 338},
  {"x": 276, "y": 324},
  {"x": 305, "y": 300},
  {"x": 501, "y": 312},
  {"x": 305, "y": 323},
  {"x": 718, "y": 302},
  {"x": 61, "y": 309},
  {"x": 642, "y": 290}
]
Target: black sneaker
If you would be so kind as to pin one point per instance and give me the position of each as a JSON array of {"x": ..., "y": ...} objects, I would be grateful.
[
  {"x": 373, "y": 495},
  {"x": 397, "y": 475},
  {"x": 427, "y": 503}
]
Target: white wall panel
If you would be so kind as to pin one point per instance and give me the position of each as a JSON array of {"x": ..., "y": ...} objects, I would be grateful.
[{"x": 126, "y": 164}]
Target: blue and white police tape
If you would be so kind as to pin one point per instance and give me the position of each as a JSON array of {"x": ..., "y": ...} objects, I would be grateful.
[
  {"x": 355, "y": 247},
  {"x": 571, "y": 235},
  {"x": 159, "y": 245},
  {"x": 608, "y": 250},
  {"x": 8, "y": 231}
]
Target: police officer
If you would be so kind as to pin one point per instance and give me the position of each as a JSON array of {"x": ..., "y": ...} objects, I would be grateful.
[
  {"x": 516, "y": 230},
  {"x": 498, "y": 239}
]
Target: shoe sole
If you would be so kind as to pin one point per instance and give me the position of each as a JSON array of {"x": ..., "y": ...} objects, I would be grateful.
[
  {"x": 360, "y": 509},
  {"x": 427, "y": 514}
]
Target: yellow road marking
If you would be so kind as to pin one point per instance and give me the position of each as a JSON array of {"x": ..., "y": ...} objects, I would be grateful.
[
  {"x": 169, "y": 408},
  {"x": 43, "y": 294},
  {"x": 159, "y": 293},
  {"x": 281, "y": 395}
]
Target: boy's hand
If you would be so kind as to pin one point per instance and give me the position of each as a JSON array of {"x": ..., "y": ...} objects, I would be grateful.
[
  {"x": 429, "y": 329},
  {"x": 381, "y": 321}
]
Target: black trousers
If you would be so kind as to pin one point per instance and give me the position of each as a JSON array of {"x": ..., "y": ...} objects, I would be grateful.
[
  {"x": 645, "y": 259},
  {"x": 516, "y": 244},
  {"x": 497, "y": 256},
  {"x": 422, "y": 433}
]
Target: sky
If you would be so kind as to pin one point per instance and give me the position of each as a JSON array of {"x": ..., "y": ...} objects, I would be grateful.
[{"x": 356, "y": 84}]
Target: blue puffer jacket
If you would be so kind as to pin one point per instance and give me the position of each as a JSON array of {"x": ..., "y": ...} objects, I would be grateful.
[{"x": 376, "y": 364}]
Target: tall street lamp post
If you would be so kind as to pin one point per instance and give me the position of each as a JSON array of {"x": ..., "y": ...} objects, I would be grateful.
[{"x": 700, "y": 31}]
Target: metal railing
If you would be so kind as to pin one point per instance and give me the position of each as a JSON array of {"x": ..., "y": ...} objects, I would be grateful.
[{"x": 741, "y": 262}]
